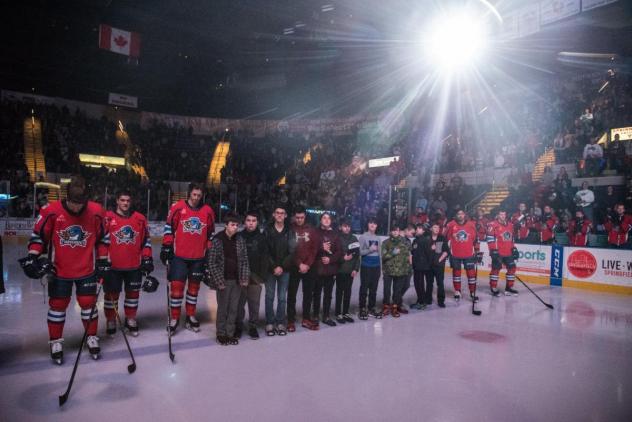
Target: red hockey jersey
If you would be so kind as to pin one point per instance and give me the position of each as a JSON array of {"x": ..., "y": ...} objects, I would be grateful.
[
  {"x": 481, "y": 228},
  {"x": 462, "y": 238},
  {"x": 522, "y": 223},
  {"x": 546, "y": 226},
  {"x": 71, "y": 239},
  {"x": 618, "y": 229},
  {"x": 129, "y": 240},
  {"x": 578, "y": 231},
  {"x": 189, "y": 230},
  {"x": 500, "y": 237}
]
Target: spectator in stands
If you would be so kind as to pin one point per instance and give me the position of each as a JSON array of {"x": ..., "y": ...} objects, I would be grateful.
[
  {"x": 593, "y": 155},
  {"x": 618, "y": 227},
  {"x": 584, "y": 200},
  {"x": 616, "y": 154},
  {"x": 439, "y": 204}
]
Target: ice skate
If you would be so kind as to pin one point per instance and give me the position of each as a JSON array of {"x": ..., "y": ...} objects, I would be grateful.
[
  {"x": 191, "y": 323},
  {"x": 93, "y": 347},
  {"x": 132, "y": 326},
  {"x": 56, "y": 351}
]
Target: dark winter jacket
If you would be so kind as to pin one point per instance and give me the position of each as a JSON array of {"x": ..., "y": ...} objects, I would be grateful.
[
  {"x": 215, "y": 263},
  {"x": 422, "y": 254},
  {"x": 349, "y": 245},
  {"x": 303, "y": 244},
  {"x": 440, "y": 246},
  {"x": 331, "y": 236},
  {"x": 278, "y": 247},
  {"x": 257, "y": 254}
]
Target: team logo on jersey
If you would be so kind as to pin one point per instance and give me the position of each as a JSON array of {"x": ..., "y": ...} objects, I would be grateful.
[
  {"x": 193, "y": 225},
  {"x": 461, "y": 236},
  {"x": 125, "y": 236},
  {"x": 73, "y": 236},
  {"x": 507, "y": 236}
]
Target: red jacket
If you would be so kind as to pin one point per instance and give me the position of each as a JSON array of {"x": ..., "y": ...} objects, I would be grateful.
[
  {"x": 522, "y": 225},
  {"x": 546, "y": 226},
  {"x": 189, "y": 230},
  {"x": 304, "y": 242},
  {"x": 618, "y": 229},
  {"x": 129, "y": 240},
  {"x": 462, "y": 238},
  {"x": 71, "y": 239},
  {"x": 578, "y": 231},
  {"x": 500, "y": 237}
]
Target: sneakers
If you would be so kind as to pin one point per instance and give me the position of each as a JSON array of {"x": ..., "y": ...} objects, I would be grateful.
[
  {"x": 315, "y": 325},
  {"x": 93, "y": 347},
  {"x": 340, "y": 319},
  {"x": 441, "y": 304},
  {"x": 270, "y": 331},
  {"x": 173, "y": 324},
  {"x": 457, "y": 296},
  {"x": 132, "y": 326},
  {"x": 239, "y": 330},
  {"x": 253, "y": 333},
  {"x": 417, "y": 306},
  {"x": 56, "y": 350},
  {"x": 402, "y": 310},
  {"x": 394, "y": 311},
  {"x": 330, "y": 322},
  {"x": 306, "y": 324},
  {"x": 494, "y": 292},
  {"x": 191, "y": 323},
  {"x": 222, "y": 340},
  {"x": 386, "y": 309},
  {"x": 281, "y": 330},
  {"x": 363, "y": 314},
  {"x": 110, "y": 327},
  {"x": 375, "y": 314},
  {"x": 510, "y": 291},
  {"x": 474, "y": 297},
  {"x": 348, "y": 318},
  {"x": 291, "y": 326}
]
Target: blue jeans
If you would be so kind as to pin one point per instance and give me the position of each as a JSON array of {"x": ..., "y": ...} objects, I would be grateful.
[{"x": 279, "y": 284}]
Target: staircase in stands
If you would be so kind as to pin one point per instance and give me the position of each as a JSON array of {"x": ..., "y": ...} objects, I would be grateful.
[
  {"x": 33, "y": 149},
  {"x": 217, "y": 163},
  {"x": 545, "y": 160},
  {"x": 493, "y": 198}
]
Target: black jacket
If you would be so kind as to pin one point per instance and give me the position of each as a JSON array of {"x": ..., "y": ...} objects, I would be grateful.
[
  {"x": 422, "y": 254},
  {"x": 257, "y": 254},
  {"x": 441, "y": 246},
  {"x": 278, "y": 247}
]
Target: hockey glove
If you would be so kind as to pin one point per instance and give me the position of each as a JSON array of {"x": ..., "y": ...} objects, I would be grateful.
[
  {"x": 103, "y": 267},
  {"x": 35, "y": 266},
  {"x": 147, "y": 265},
  {"x": 479, "y": 257},
  {"x": 515, "y": 253},
  {"x": 166, "y": 254}
]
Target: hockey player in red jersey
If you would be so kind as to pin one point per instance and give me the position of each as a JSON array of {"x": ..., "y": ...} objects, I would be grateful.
[
  {"x": 73, "y": 234},
  {"x": 464, "y": 252},
  {"x": 500, "y": 240},
  {"x": 522, "y": 223},
  {"x": 130, "y": 254},
  {"x": 578, "y": 229},
  {"x": 188, "y": 231}
]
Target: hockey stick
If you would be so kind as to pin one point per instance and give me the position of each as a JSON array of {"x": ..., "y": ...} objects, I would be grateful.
[
  {"x": 171, "y": 355},
  {"x": 64, "y": 397},
  {"x": 548, "y": 305},
  {"x": 475, "y": 311},
  {"x": 131, "y": 368}
]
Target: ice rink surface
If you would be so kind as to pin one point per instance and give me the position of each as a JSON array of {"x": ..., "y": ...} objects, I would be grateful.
[{"x": 518, "y": 361}]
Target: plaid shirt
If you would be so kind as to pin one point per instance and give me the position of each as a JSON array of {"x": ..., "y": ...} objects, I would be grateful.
[{"x": 215, "y": 264}]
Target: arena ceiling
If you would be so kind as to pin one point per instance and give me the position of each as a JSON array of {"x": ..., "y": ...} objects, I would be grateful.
[{"x": 239, "y": 58}]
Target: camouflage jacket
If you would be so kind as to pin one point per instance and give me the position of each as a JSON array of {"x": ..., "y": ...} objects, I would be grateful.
[{"x": 396, "y": 257}]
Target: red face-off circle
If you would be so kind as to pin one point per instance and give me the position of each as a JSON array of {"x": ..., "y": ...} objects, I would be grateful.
[{"x": 582, "y": 264}]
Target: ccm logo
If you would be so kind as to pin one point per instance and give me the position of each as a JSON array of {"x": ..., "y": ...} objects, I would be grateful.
[{"x": 556, "y": 263}]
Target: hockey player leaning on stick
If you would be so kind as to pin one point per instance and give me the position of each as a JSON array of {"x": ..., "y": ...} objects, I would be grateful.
[
  {"x": 188, "y": 230},
  {"x": 73, "y": 233}
]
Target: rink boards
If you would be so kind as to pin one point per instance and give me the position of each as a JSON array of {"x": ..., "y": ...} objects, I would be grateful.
[{"x": 607, "y": 270}]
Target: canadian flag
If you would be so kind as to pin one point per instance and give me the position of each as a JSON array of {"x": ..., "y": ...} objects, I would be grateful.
[{"x": 119, "y": 41}]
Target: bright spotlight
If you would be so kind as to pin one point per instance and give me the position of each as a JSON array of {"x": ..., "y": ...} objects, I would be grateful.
[{"x": 455, "y": 40}]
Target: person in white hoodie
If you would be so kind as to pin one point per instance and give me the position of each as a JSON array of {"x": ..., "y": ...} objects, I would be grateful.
[{"x": 584, "y": 199}]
